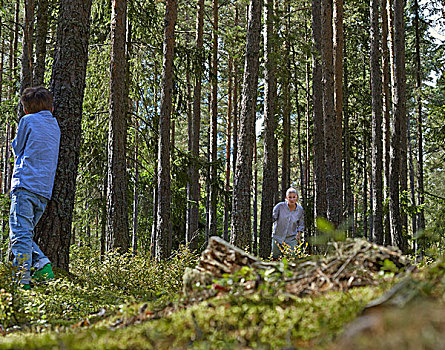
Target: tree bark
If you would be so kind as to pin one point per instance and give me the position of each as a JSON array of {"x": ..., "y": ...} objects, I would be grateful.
[
  {"x": 27, "y": 52},
  {"x": 193, "y": 184},
  {"x": 332, "y": 125},
  {"x": 164, "y": 192},
  {"x": 117, "y": 212},
  {"x": 213, "y": 219},
  {"x": 377, "y": 144},
  {"x": 398, "y": 157},
  {"x": 411, "y": 180},
  {"x": 241, "y": 214},
  {"x": 228, "y": 144},
  {"x": 254, "y": 249},
  {"x": 235, "y": 115},
  {"x": 285, "y": 163},
  {"x": 420, "y": 184},
  {"x": 320, "y": 209},
  {"x": 53, "y": 232},
  {"x": 134, "y": 236},
  {"x": 41, "y": 34},
  {"x": 270, "y": 171},
  {"x": 338, "y": 37},
  {"x": 154, "y": 226},
  {"x": 348, "y": 195},
  {"x": 365, "y": 189},
  {"x": 386, "y": 114}
]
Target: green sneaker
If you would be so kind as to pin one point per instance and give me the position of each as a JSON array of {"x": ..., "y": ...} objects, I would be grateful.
[{"x": 44, "y": 274}]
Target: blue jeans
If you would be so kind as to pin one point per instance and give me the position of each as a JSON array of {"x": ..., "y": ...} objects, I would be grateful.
[{"x": 26, "y": 210}]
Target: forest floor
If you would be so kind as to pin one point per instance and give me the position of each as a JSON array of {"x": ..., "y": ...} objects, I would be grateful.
[{"x": 75, "y": 311}]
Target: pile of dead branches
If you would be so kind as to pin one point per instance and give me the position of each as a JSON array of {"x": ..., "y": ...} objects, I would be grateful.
[{"x": 351, "y": 263}]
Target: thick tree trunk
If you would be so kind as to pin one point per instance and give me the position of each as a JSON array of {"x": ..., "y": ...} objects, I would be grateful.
[
  {"x": 41, "y": 34},
  {"x": 53, "y": 232},
  {"x": 241, "y": 215},
  {"x": 377, "y": 144},
  {"x": 213, "y": 219},
  {"x": 193, "y": 184},
  {"x": 270, "y": 171},
  {"x": 386, "y": 114},
  {"x": 398, "y": 149},
  {"x": 317, "y": 91},
  {"x": 332, "y": 125},
  {"x": 27, "y": 52},
  {"x": 164, "y": 192},
  {"x": 117, "y": 212}
]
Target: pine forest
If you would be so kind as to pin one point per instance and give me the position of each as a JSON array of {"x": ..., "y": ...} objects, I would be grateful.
[{"x": 189, "y": 132}]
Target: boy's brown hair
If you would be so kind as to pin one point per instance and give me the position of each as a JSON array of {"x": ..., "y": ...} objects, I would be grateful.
[{"x": 36, "y": 99}]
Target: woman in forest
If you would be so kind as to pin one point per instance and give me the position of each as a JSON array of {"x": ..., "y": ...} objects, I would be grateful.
[{"x": 288, "y": 224}]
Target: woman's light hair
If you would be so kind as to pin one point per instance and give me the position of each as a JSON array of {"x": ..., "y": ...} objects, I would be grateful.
[{"x": 292, "y": 190}]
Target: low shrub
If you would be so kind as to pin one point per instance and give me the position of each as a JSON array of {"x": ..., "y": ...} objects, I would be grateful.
[{"x": 136, "y": 275}]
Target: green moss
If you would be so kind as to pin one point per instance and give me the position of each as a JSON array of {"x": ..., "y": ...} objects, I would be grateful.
[{"x": 223, "y": 322}]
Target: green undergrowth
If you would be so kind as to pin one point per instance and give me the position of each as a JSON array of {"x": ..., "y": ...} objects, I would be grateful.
[
  {"x": 100, "y": 303},
  {"x": 224, "y": 322},
  {"x": 95, "y": 286}
]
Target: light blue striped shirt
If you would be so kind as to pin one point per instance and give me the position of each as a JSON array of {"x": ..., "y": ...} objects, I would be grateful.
[
  {"x": 286, "y": 222},
  {"x": 36, "y": 148}
]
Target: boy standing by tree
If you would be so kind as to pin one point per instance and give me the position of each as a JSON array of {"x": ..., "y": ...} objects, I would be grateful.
[{"x": 36, "y": 150}]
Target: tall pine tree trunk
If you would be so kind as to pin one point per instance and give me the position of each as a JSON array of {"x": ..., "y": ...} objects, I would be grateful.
[
  {"x": 241, "y": 215},
  {"x": 285, "y": 163},
  {"x": 386, "y": 115},
  {"x": 365, "y": 189},
  {"x": 134, "y": 235},
  {"x": 41, "y": 34},
  {"x": 117, "y": 211},
  {"x": 27, "y": 52},
  {"x": 377, "y": 144},
  {"x": 193, "y": 184},
  {"x": 270, "y": 171},
  {"x": 228, "y": 146},
  {"x": 338, "y": 91},
  {"x": 332, "y": 125},
  {"x": 348, "y": 195},
  {"x": 420, "y": 185},
  {"x": 411, "y": 179},
  {"x": 255, "y": 201},
  {"x": 399, "y": 114},
  {"x": 154, "y": 225},
  {"x": 320, "y": 209},
  {"x": 213, "y": 219},
  {"x": 164, "y": 192},
  {"x": 53, "y": 232}
]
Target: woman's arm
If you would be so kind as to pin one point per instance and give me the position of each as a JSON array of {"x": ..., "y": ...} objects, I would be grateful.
[
  {"x": 276, "y": 212},
  {"x": 300, "y": 227}
]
